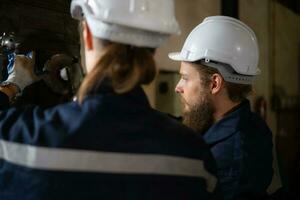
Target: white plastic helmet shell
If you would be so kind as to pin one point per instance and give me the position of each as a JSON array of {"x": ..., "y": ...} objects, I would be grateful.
[
  {"x": 223, "y": 40},
  {"x": 146, "y": 23}
]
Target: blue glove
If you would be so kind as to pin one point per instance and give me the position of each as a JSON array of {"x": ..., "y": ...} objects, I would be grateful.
[{"x": 11, "y": 60}]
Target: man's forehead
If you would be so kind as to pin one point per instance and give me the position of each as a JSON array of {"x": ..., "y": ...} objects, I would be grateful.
[{"x": 188, "y": 68}]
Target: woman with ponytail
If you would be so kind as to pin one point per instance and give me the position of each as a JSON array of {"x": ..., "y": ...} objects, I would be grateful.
[{"x": 109, "y": 143}]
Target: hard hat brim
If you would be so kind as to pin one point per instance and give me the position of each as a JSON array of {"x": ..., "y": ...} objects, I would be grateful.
[{"x": 176, "y": 56}]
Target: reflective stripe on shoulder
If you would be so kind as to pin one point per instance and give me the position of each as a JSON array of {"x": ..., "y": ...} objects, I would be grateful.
[{"x": 103, "y": 162}]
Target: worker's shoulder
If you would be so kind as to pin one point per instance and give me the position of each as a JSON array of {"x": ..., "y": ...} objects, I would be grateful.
[
  {"x": 255, "y": 126},
  {"x": 176, "y": 132},
  {"x": 170, "y": 123}
]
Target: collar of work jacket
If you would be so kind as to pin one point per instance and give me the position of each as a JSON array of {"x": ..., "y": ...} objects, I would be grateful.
[
  {"x": 229, "y": 125},
  {"x": 135, "y": 97}
]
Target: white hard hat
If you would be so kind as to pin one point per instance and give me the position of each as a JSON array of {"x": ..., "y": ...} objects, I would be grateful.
[
  {"x": 146, "y": 23},
  {"x": 223, "y": 42}
]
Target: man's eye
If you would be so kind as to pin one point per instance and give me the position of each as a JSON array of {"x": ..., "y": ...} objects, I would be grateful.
[{"x": 184, "y": 78}]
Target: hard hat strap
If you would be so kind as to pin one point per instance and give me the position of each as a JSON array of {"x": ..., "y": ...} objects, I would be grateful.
[{"x": 228, "y": 72}]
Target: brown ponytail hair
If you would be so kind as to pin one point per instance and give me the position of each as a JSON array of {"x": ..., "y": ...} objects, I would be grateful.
[{"x": 126, "y": 66}]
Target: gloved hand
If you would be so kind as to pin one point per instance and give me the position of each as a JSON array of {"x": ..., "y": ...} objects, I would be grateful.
[{"x": 22, "y": 73}]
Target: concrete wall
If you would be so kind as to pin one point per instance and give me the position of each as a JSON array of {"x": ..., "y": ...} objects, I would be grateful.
[
  {"x": 287, "y": 48},
  {"x": 257, "y": 14},
  {"x": 278, "y": 30},
  {"x": 189, "y": 13},
  {"x": 167, "y": 100},
  {"x": 286, "y": 81}
]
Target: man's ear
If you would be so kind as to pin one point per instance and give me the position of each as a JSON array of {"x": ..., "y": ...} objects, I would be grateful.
[
  {"x": 217, "y": 83},
  {"x": 87, "y": 36}
]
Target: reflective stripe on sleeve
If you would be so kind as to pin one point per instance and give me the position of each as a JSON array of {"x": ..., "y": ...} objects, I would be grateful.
[{"x": 103, "y": 162}]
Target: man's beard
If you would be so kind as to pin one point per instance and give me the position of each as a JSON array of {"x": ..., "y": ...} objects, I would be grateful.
[{"x": 200, "y": 116}]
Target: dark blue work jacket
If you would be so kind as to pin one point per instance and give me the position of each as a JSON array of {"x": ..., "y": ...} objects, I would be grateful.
[
  {"x": 110, "y": 147},
  {"x": 241, "y": 143}
]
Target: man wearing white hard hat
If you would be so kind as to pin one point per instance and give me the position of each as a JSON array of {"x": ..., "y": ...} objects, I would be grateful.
[
  {"x": 218, "y": 65},
  {"x": 109, "y": 144}
]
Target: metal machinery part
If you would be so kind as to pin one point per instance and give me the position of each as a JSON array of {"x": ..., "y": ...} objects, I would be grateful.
[
  {"x": 8, "y": 42},
  {"x": 8, "y": 45},
  {"x": 49, "y": 64},
  {"x": 61, "y": 73}
]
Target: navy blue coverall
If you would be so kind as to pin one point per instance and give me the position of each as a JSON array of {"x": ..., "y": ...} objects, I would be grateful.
[
  {"x": 110, "y": 147},
  {"x": 242, "y": 145}
]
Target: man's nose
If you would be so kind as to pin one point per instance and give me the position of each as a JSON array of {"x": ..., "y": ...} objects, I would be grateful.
[{"x": 178, "y": 89}]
